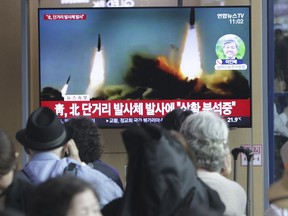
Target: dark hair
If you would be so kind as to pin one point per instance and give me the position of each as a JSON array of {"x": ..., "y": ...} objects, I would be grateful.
[
  {"x": 7, "y": 154},
  {"x": 10, "y": 212},
  {"x": 54, "y": 196},
  {"x": 50, "y": 94},
  {"x": 87, "y": 138},
  {"x": 174, "y": 119}
]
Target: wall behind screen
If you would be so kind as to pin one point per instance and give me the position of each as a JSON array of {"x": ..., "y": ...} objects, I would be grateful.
[{"x": 10, "y": 67}]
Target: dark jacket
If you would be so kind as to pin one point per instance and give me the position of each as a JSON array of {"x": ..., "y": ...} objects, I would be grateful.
[
  {"x": 161, "y": 177},
  {"x": 107, "y": 170},
  {"x": 17, "y": 194}
]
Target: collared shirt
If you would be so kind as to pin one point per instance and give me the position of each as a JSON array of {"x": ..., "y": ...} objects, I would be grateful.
[{"x": 45, "y": 165}]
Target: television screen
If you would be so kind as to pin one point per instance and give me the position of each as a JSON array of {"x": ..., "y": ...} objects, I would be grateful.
[{"x": 121, "y": 66}]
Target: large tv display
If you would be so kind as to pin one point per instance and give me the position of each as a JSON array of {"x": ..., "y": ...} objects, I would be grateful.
[{"x": 122, "y": 66}]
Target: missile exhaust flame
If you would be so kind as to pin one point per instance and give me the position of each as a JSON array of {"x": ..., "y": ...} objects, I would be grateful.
[
  {"x": 97, "y": 75},
  {"x": 191, "y": 67},
  {"x": 65, "y": 87}
]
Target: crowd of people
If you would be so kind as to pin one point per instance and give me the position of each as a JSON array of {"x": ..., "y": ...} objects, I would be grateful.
[{"x": 176, "y": 168}]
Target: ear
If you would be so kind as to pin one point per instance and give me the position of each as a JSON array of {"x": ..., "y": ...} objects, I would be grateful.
[
  {"x": 27, "y": 151},
  {"x": 226, "y": 169},
  {"x": 65, "y": 147}
]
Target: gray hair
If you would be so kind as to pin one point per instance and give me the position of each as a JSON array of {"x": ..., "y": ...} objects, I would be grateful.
[{"x": 207, "y": 133}]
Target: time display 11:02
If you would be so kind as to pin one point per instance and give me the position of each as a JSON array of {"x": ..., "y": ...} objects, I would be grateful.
[{"x": 236, "y": 21}]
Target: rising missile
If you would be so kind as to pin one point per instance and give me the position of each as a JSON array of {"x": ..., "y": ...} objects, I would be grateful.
[
  {"x": 99, "y": 43},
  {"x": 68, "y": 79},
  {"x": 192, "y": 17},
  {"x": 65, "y": 87}
]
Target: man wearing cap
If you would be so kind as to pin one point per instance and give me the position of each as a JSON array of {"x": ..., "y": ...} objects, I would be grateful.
[{"x": 46, "y": 140}]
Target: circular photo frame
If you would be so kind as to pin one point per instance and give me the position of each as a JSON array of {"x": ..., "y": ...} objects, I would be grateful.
[{"x": 230, "y": 46}]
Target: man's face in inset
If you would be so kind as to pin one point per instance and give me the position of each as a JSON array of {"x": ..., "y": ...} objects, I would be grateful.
[{"x": 230, "y": 49}]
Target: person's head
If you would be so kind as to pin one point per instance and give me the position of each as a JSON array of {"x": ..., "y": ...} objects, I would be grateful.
[
  {"x": 230, "y": 48},
  {"x": 279, "y": 35},
  {"x": 177, "y": 136},
  {"x": 44, "y": 131},
  {"x": 207, "y": 133},
  {"x": 64, "y": 195},
  {"x": 50, "y": 94},
  {"x": 174, "y": 119},
  {"x": 87, "y": 138},
  {"x": 7, "y": 161}
]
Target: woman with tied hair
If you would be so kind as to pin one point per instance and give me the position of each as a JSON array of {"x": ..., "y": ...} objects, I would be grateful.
[{"x": 207, "y": 135}]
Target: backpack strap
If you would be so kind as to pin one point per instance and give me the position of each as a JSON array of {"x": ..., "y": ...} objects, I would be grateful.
[{"x": 71, "y": 169}]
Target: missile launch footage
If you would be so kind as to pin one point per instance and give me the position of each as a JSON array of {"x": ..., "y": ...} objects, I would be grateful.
[{"x": 143, "y": 57}]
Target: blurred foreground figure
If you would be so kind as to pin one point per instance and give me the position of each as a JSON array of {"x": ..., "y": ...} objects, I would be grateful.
[
  {"x": 278, "y": 191},
  {"x": 13, "y": 190},
  {"x": 161, "y": 177},
  {"x": 10, "y": 212},
  {"x": 64, "y": 196},
  {"x": 280, "y": 137},
  {"x": 207, "y": 134}
]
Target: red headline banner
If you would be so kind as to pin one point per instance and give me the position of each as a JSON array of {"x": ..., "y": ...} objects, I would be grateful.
[{"x": 146, "y": 108}]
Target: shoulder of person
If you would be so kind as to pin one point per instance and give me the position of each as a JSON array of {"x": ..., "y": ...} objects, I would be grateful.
[
  {"x": 273, "y": 210},
  {"x": 83, "y": 170},
  {"x": 22, "y": 177}
]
